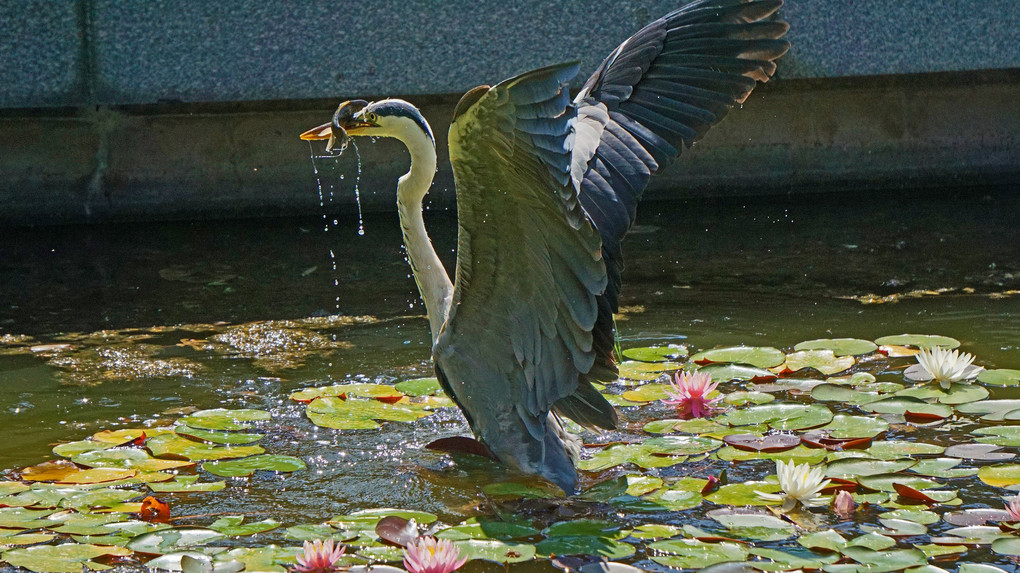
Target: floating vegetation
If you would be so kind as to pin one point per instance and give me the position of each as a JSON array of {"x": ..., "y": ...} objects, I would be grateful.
[
  {"x": 811, "y": 458},
  {"x": 119, "y": 363}
]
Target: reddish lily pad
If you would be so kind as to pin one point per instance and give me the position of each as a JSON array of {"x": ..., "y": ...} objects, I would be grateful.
[{"x": 769, "y": 443}]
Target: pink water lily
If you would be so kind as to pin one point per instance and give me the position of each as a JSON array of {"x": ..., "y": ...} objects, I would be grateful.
[
  {"x": 1013, "y": 509},
  {"x": 429, "y": 555},
  {"x": 690, "y": 394},
  {"x": 319, "y": 557},
  {"x": 843, "y": 504}
]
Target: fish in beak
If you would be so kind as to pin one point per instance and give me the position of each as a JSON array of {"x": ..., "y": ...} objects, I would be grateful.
[{"x": 344, "y": 124}]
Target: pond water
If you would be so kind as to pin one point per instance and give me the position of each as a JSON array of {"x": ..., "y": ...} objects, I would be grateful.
[{"x": 128, "y": 326}]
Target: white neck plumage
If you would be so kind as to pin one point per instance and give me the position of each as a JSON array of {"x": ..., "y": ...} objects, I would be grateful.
[{"x": 433, "y": 282}]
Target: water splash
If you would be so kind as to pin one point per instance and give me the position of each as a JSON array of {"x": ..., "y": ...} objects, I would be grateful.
[{"x": 357, "y": 190}]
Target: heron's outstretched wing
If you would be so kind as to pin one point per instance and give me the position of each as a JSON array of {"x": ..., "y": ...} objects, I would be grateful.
[
  {"x": 657, "y": 93},
  {"x": 529, "y": 268}
]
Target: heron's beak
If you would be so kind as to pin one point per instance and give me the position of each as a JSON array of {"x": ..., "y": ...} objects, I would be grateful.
[{"x": 347, "y": 121}]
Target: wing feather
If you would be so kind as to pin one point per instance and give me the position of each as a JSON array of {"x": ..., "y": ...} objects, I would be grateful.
[{"x": 529, "y": 272}]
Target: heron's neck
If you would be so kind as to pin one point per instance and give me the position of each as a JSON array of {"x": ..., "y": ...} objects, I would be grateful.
[{"x": 433, "y": 282}]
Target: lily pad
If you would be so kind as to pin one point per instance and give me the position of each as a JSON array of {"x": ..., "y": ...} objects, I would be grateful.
[
  {"x": 656, "y": 353},
  {"x": 357, "y": 414},
  {"x": 224, "y": 419},
  {"x": 759, "y": 356},
  {"x": 173, "y": 539},
  {"x": 420, "y": 387},
  {"x": 584, "y": 545},
  {"x": 130, "y": 458},
  {"x": 839, "y": 346},
  {"x": 824, "y": 361},
  {"x": 183, "y": 484},
  {"x": 643, "y": 371},
  {"x": 693, "y": 554},
  {"x": 475, "y": 528},
  {"x": 233, "y": 525},
  {"x": 248, "y": 466},
  {"x": 985, "y": 451},
  {"x": 64, "y": 558},
  {"x": 231, "y": 438},
  {"x": 494, "y": 550},
  {"x": 647, "y": 393},
  {"x": 753, "y": 524},
  {"x": 918, "y": 341},
  {"x": 993, "y": 410},
  {"x": 780, "y": 416},
  {"x": 742, "y": 493},
  {"x": 729, "y": 372},
  {"x": 859, "y": 467},
  {"x": 892, "y": 449},
  {"x": 172, "y": 446},
  {"x": 843, "y": 426},
  {"x": 1000, "y": 475},
  {"x": 1000, "y": 377}
]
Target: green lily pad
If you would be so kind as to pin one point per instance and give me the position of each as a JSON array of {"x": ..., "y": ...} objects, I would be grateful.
[
  {"x": 656, "y": 353},
  {"x": 224, "y": 419},
  {"x": 172, "y": 539},
  {"x": 786, "y": 561},
  {"x": 518, "y": 489},
  {"x": 828, "y": 540},
  {"x": 369, "y": 517},
  {"x": 647, "y": 393},
  {"x": 853, "y": 467},
  {"x": 356, "y": 414},
  {"x": 638, "y": 454},
  {"x": 838, "y": 393},
  {"x": 217, "y": 437},
  {"x": 893, "y": 449},
  {"x": 780, "y": 416},
  {"x": 956, "y": 394},
  {"x": 131, "y": 458},
  {"x": 233, "y": 525},
  {"x": 884, "y": 482},
  {"x": 745, "y": 398},
  {"x": 584, "y": 545},
  {"x": 1000, "y": 377},
  {"x": 742, "y": 493},
  {"x": 918, "y": 341},
  {"x": 247, "y": 466},
  {"x": 654, "y": 531},
  {"x": 72, "y": 449},
  {"x": 25, "y": 518},
  {"x": 846, "y": 427},
  {"x": 1000, "y": 475},
  {"x": 922, "y": 516},
  {"x": 313, "y": 531},
  {"x": 64, "y": 558},
  {"x": 839, "y": 346},
  {"x": 694, "y": 554},
  {"x": 752, "y": 524},
  {"x": 183, "y": 484},
  {"x": 643, "y": 371},
  {"x": 475, "y": 528},
  {"x": 800, "y": 454},
  {"x": 992, "y": 410},
  {"x": 172, "y": 446},
  {"x": 824, "y": 361},
  {"x": 902, "y": 405},
  {"x": 942, "y": 468},
  {"x": 759, "y": 356},
  {"x": 729, "y": 372},
  {"x": 1004, "y": 546},
  {"x": 494, "y": 550},
  {"x": 979, "y": 568},
  {"x": 886, "y": 560},
  {"x": 420, "y": 387},
  {"x": 361, "y": 390}
]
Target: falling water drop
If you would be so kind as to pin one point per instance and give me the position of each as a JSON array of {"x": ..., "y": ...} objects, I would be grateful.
[{"x": 357, "y": 192}]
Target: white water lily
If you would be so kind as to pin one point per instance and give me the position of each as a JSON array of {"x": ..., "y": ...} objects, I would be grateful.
[
  {"x": 943, "y": 365},
  {"x": 800, "y": 484}
]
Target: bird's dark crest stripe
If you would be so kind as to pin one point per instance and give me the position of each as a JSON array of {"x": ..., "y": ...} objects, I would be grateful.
[{"x": 399, "y": 109}]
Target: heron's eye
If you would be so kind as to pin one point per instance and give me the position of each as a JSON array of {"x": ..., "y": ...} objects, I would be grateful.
[{"x": 371, "y": 117}]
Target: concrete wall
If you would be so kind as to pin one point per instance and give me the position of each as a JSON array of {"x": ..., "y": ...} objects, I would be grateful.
[
  {"x": 178, "y": 109},
  {"x": 80, "y": 52}
]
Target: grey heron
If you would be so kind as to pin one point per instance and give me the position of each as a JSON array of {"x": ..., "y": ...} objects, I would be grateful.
[{"x": 546, "y": 190}]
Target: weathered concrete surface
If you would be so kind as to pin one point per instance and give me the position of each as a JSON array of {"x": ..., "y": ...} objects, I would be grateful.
[
  {"x": 227, "y": 160},
  {"x": 116, "y": 52}
]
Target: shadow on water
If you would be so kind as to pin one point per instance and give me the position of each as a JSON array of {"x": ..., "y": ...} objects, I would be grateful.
[{"x": 762, "y": 271}]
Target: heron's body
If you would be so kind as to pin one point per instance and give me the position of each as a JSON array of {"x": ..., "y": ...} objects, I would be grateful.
[{"x": 546, "y": 190}]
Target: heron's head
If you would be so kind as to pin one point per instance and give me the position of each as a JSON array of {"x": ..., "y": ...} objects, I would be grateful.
[{"x": 386, "y": 118}]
